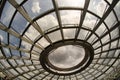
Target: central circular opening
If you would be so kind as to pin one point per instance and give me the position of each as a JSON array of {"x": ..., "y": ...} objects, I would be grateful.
[{"x": 66, "y": 56}]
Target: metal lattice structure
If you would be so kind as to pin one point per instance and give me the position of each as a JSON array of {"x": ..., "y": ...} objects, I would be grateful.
[{"x": 33, "y": 30}]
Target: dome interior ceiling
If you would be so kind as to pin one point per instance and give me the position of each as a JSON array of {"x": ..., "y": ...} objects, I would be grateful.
[{"x": 59, "y": 29}]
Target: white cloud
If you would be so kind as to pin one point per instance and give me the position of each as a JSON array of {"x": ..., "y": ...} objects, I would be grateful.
[
  {"x": 47, "y": 22},
  {"x": 36, "y": 7},
  {"x": 67, "y": 56},
  {"x": 70, "y": 17},
  {"x": 101, "y": 7}
]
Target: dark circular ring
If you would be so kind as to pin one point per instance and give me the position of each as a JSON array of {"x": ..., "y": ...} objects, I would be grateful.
[{"x": 48, "y": 66}]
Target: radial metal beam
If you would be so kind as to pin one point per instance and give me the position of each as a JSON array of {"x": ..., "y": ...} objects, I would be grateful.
[
  {"x": 14, "y": 33},
  {"x": 18, "y": 58},
  {"x": 19, "y": 66},
  {"x": 104, "y": 17},
  {"x": 22, "y": 11},
  {"x": 110, "y": 30},
  {"x": 52, "y": 77},
  {"x": 117, "y": 48},
  {"x": 16, "y": 48},
  {"x": 82, "y": 17},
  {"x": 2, "y": 4},
  {"x": 22, "y": 74},
  {"x": 107, "y": 58},
  {"x": 37, "y": 74},
  {"x": 109, "y": 66},
  {"x": 45, "y": 76},
  {"x": 58, "y": 17},
  {"x": 117, "y": 38}
]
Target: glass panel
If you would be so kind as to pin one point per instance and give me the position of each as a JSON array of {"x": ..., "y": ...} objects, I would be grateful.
[
  {"x": 14, "y": 40},
  {"x": 36, "y": 62},
  {"x": 31, "y": 74},
  {"x": 99, "y": 7},
  {"x": 5, "y": 63},
  {"x": 7, "y": 52},
  {"x": 110, "y": 1},
  {"x": 15, "y": 52},
  {"x": 21, "y": 78},
  {"x": 7, "y": 14},
  {"x": 26, "y": 45},
  {"x": 20, "y": 70},
  {"x": 106, "y": 47},
  {"x": 19, "y": 1},
  {"x": 106, "y": 61},
  {"x": 3, "y": 36},
  {"x": 69, "y": 33},
  {"x": 115, "y": 33},
  {"x": 43, "y": 42},
  {"x": 116, "y": 53},
  {"x": 13, "y": 71},
  {"x": 96, "y": 56},
  {"x": 19, "y": 23},
  {"x": 28, "y": 62},
  {"x": 36, "y": 57},
  {"x": 47, "y": 22},
  {"x": 32, "y": 33},
  {"x": 25, "y": 69},
  {"x": 38, "y": 50},
  {"x": 83, "y": 34},
  {"x": 90, "y": 21},
  {"x": 101, "y": 29},
  {"x": 55, "y": 36},
  {"x": 111, "y": 53},
  {"x": 110, "y": 20},
  {"x": 70, "y": 16},
  {"x": 97, "y": 44},
  {"x": 92, "y": 38},
  {"x": 31, "y": 67},
  {"x": 13, "y": 62},
  {"x": 26, "y": 75},
  {"x": 117, "y": 8},
  {"x": 114, "y": 44},
  {"x": 104, "y": 54},
  {"x": 27, "y": 55},
  {"x": 117, "y": 63},
  {"x": 71, "y": 3},
  {"x": 105, "y": 39},
  {"x": 36, "y": 7},
  {"x": 19, "y": 62},
  {"x": 98, "y": 50},
  {"x": 100, "y": 61}
]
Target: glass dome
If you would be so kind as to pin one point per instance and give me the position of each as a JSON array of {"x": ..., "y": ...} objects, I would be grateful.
[{"x": 60, "y": 39}]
